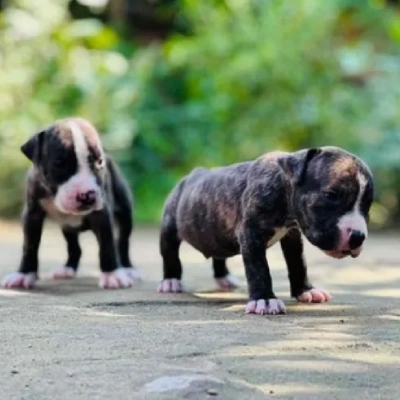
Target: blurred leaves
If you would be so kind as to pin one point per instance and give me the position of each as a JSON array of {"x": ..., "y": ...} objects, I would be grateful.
[{"x": 251, "y": 76}]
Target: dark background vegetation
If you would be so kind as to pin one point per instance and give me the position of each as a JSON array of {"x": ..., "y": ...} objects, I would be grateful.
[{"x": 173, "y": 84}]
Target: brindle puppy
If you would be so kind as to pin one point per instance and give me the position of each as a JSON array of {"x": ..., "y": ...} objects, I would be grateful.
[
  {"x": 72, "y": 181},
  {"x": 324, "y": 193}
]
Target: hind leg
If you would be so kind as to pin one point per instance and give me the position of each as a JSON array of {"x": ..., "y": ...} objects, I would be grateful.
[
  {"x": 125, "y": 224},
  {"x": 172, "y": 267},
  {"x": 123, "y": 217},
  {"x": 68, "y": 271},
  {"x": 224, "y": 279}
]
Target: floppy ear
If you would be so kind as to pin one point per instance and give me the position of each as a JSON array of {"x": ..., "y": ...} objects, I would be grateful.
[
  {"x": 32, "y": 149},
  {"x": 298, "y": 164}
]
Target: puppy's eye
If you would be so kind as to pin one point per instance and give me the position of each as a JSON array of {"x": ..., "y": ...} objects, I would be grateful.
[
  {"x": 99, "y": 163},
  {"x": 96, "y": 162},
  {"x": 332, "y": 196}
]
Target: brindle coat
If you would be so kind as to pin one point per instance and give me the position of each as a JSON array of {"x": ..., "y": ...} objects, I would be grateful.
[{"x": 247, "y": 207}]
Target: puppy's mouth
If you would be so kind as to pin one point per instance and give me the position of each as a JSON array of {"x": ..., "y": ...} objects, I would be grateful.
[
  {"x": 339, "y": 254},
  {"x": 78, "y": 211}
]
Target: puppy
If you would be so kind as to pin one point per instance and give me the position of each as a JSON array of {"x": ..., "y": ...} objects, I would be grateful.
[
  {"x": 72, "y": 181},
  {"x": 324, "y": 193}
]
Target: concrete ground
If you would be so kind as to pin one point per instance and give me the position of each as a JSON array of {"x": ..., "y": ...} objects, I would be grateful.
[{"x": 71, "y": 340}]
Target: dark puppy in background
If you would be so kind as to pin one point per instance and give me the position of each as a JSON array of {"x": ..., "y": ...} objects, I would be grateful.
[
  {"x": 324, "y": 193},
  {"x": 74, "y": 182}
]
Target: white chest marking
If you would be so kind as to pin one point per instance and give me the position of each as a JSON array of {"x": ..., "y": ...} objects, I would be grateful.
[{"x": 279, "y": 234}]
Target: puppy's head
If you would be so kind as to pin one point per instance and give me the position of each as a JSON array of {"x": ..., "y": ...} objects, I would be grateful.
[
  {"x": 71, "y": 162},
  {"x": 332, "y": 194}
]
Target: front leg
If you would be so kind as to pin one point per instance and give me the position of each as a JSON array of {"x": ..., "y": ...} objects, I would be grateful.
[
  {"x": 300, "y": 286},
  {"x": 112, "y": 277},
  {"x": 253, "y": 248},
  {"x": 32, "y": 221}
]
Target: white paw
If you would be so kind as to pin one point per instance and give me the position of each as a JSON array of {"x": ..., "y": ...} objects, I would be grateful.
[
  {"x": 133, "y": 273},
  {"x": 262, "y": 306},
  {"x": 170, "y": 286},
  {"x": 228, "y": 282},
  {"x": 19, "y": 280},
  {"x": 117, "y": 279},
  {"x": 64, "y": 272},
  {"x": 314, "y": 296}
]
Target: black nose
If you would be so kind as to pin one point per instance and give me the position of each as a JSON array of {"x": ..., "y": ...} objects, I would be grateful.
[
  {"x": 356, "y": 239},
  {"x": 87, "y": 199}
]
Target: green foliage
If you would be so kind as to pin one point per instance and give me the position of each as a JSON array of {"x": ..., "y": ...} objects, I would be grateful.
[
  {"x": 53, "y": 67},
  {"x": 262, "y": 75},
  {"x": 252, "y": 75}
]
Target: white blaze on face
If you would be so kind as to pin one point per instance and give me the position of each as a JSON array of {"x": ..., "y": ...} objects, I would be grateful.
[
  {"x": 80, "y": 147},
  {"x": 93, "y": 140},
  {"x": 354, "y": 220},
  {"x": 80, "y": 183}
]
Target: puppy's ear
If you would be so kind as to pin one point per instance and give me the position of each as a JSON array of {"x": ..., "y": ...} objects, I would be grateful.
[
  {"x": 298, "y": 163},
  {"x": 32, "y": 149}
]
